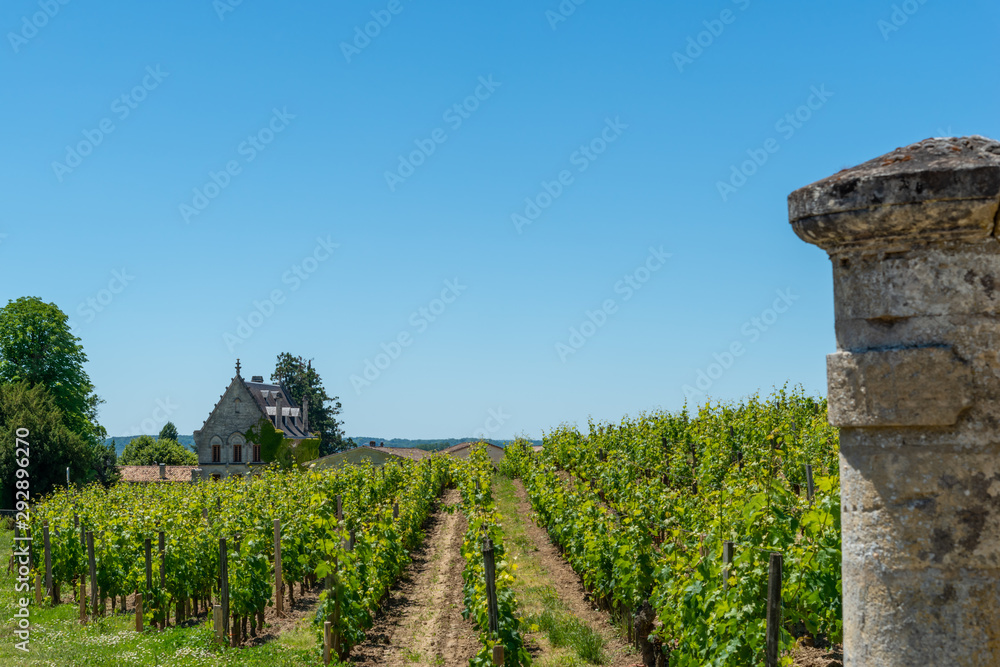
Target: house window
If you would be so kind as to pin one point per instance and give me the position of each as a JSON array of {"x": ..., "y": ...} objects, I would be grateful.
[
  {"x": 237, "y": 406},
  {"x": 256, "y": 454},
  {"x": 237, "y": 453},
  {"x": 216, "y": 453}
]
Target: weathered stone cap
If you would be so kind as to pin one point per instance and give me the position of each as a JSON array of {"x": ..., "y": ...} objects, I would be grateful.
[{"x": 946, "y": 188}]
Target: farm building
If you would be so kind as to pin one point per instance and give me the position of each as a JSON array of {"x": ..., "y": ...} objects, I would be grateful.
[
  {"x": 222, "y": 447},
  {"x": 376, "y": 455},
  {"x": 462, "y": 451}
]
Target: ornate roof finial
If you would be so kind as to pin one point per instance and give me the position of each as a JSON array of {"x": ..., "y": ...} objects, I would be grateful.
[{"x": 237, "y": 368}]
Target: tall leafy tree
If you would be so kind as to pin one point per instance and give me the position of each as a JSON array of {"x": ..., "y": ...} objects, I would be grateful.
[
  {"x": 52, "y": 446},
  {"x": 144, "y": 451},
  {"x": 303, "y": 381},
  {"x": 37, "y": 347},
  {"x": 168, "y": 432}
]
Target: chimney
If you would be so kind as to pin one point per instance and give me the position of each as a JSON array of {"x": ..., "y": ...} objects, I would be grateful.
[
  {"x": 305, "y": 414},
  {"x": 277, "y": 411},
  {"x": 163, "y": 471},
  {"x": 259, "y": 379}
]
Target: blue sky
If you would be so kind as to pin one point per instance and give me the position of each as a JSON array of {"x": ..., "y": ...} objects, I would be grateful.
[{"x": 180, "y": 164}]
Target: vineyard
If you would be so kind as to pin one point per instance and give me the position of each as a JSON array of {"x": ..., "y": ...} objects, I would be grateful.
[
  {"x": 671, "y": 521},
  {"x": 649, "y": 511}
]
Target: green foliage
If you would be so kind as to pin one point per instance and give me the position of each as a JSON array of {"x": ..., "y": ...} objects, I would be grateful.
[
  {"x": 307, "y": 450},
  {"x": 313, "y": 542},
  {"x": 51, "y": 445},
  {"x": 484, "y": 522},
  {"x": 168, "y": 432},
  {"x": 275, "y": 448},
  {"x": 37, "y": 347},
  {"x": 640, "y": 509},
  {"x": 144, "y": 451},
  {"x": 272, "y": 442},
  {"x": 302, "y": 381}
]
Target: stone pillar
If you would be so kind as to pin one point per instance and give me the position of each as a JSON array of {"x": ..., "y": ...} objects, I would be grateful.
[{"x": 915, "y": 388}]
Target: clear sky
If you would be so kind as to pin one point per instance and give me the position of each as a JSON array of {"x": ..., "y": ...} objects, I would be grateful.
[{"x": 508, "y": 167}]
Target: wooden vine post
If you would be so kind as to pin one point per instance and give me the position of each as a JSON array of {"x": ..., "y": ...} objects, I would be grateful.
[
  {"x": 327, "y": 641},
  {"x": 48, "y": 562},
  {"x": 727, "y": 559},
  {"x": 138, "y": 612},
  {"x": 164, "y": 613},
  {"x": 773, "y": 610},
  {"x": 93, "y": 573},
  {"x": 279, "y": 602},
  {"x": 217, "y": 624},
  {"x": 224, "y": 586},
  {"x": 491, "y": 586}
]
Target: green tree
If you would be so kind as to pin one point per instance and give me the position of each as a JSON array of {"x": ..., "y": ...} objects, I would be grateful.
[
  {"x": 103, "y": 463},
  {"x": 168, "y": 432},
  {"x": 51, "y": 445},
  {"x": 302, "y": 382},
  {"x": 37, "y": 347},
  {"x": 144, "y": 451}
]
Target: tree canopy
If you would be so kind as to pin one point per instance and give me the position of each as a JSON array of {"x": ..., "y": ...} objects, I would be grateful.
[
  {"x": 51, "y": 445},
  {"x": 168, "y": 432},
  {"x": 303, "y": 381},
  {"x": 144, "y": 451},
  {"x": 37, "y": 347}
]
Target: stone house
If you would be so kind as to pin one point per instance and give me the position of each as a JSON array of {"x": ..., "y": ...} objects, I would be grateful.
[{"x": 221, "y": 443}]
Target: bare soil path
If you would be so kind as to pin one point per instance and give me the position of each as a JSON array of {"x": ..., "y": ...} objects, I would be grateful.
[
  {"x": 541, "y": 573},
  {"x": 421, "y": 622}
]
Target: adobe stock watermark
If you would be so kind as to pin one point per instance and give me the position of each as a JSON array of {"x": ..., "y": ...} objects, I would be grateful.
[
  {"x": 697, "y": 44},
  {"x": 786, "y": 126},
  {"x": 594, "y": 320},
  {"x": 30, "y": 25},
  {"x": 121, "y": 108},
  {"x": 21, "y": 558},
  {"x": 294, "y": 277},
  {"x": 89, "y": 308},
  {"x": 248, "y": 149},
  {"x": 454, "y": 116},
  {"x": 223, "y": 7},
  {"x": 161, "y": 414},
  {"x": 363, "y": 36},
  {"x": 494, "y": 422},
  {"x": 419, "y": 321},
  {"x": 899, "y": 17},
  {"x": 562, "y": 13},
  {"x": 752, "y": 330},
  {"x": 582, "y": 159}
]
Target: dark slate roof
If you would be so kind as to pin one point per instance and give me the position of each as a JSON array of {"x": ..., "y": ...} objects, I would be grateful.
[{"x": 292, "y": 425}]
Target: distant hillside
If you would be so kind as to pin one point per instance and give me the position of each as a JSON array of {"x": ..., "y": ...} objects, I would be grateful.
[
  {"x": 122, "y": 440},
  {"x": 429, "y": 445}
]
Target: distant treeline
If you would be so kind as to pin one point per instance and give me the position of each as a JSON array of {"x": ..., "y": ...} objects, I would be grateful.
[
  {"x": 122, "y": 440},
  {"x": 426, "y": 445}
]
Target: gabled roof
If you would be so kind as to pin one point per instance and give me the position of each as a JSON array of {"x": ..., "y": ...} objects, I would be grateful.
[
  {"x": 266, "y": 396},
  {"x": 465, "y": 445}
]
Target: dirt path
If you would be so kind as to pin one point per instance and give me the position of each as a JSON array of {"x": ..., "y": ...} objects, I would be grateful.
[
  {"x": 422, "y": 622},
  {"x": 554, "y": 573}
]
